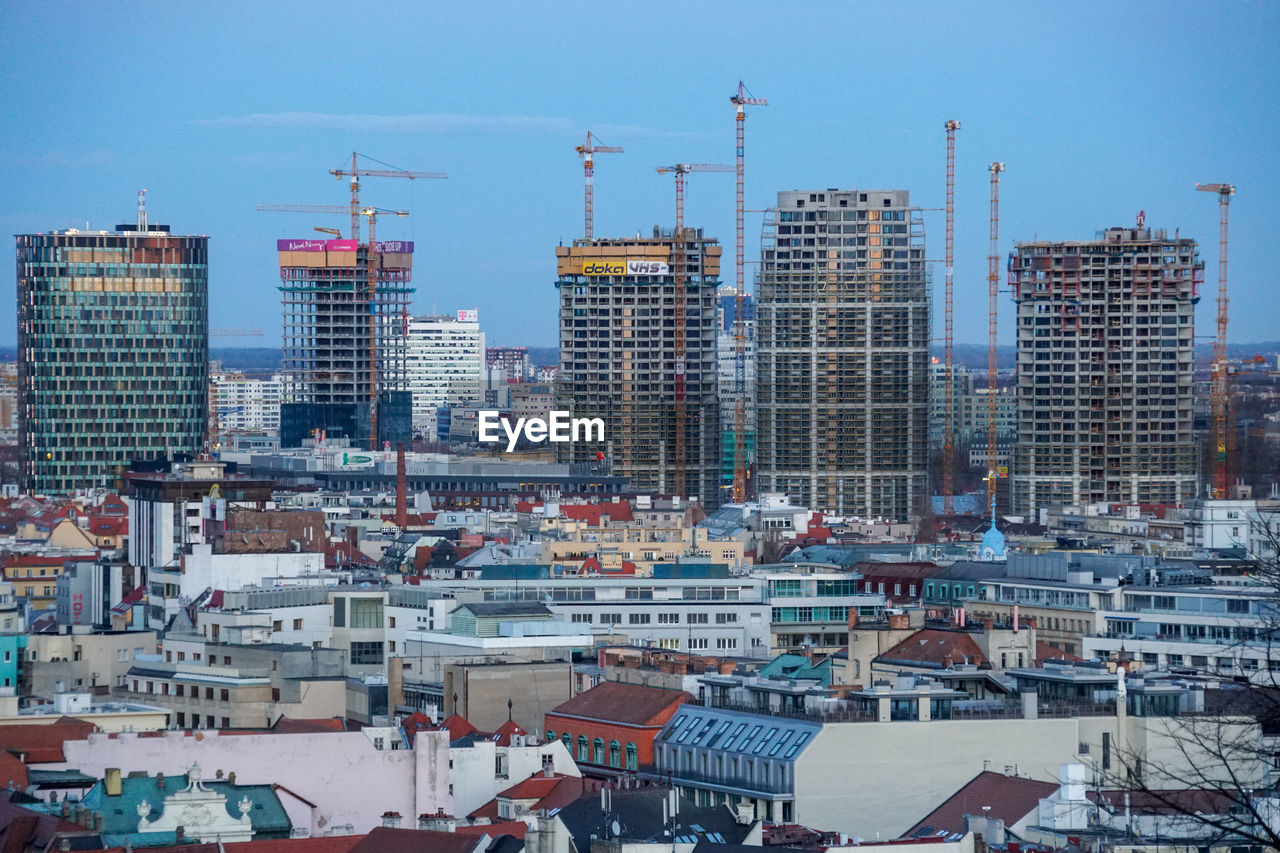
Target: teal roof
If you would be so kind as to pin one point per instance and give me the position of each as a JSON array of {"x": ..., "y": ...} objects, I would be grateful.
[
  {"x": 690, "y": 571},
  {"x": 120, "y": 813},
  {"x": 799, "y": 668}
]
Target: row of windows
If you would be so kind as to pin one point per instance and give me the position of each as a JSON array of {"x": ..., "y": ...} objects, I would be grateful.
[{"x": 612, "y": 759}]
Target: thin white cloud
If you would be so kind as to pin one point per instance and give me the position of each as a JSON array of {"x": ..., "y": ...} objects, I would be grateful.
[
  {"x": 438, "y": 124},
  {"x": 423, "y": 123}
]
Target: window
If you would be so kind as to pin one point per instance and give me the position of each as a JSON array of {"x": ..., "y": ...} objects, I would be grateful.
[
  {"x": 726, "y": 643},
  {"x": 582, "y": 748},
  {"x": 391, "y": 622},
  {"x": 297, "y": 624},
  {"x": 668, "y": 618},
  {"x": 726, "y": 618},
  {"x": 340, "y": 612},
  {"x": 598, "y": 743},
  {"x": 208, "y": 721},
  {"x": 277, "y": 625},
  {"x": 631, "y": 757},
  {"x": 226, "y": 722},
  {"x": 638, "y": 618},
  {"x": 697, "y": 619},
  {"x": 697, "y": 642},
  {"x": 615, "y": 754},
  {"x": 551, "y": 735},
  {"x": 366, "y": 653},
  {"x": 208, "y": 694},
  {"x": 179, "y": 690},
  {"x": 366, "y": 613},
  {"x": 224, "y": 695}
]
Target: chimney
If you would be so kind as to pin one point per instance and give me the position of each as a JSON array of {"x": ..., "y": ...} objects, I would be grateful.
[
  {"x": 898, "y": 621},
  {"x": 853, "y": 618},
  {"x": 395, "y": 683},
  {"x": 402, "y": 509},
  {"x": 112, "y": 781},
  {"x": 1015, "y": 617}
]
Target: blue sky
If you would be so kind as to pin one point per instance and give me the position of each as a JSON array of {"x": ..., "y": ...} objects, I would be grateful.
[{"x": 1099, "y": 110}]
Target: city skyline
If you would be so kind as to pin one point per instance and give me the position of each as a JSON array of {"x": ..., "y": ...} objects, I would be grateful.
[{"x": 1099, "y": 125}]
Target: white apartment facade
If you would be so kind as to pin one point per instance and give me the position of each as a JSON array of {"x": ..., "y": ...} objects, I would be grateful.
[
  {"x": 445, "y": 364},
  {"x": 247, "y": 403}
]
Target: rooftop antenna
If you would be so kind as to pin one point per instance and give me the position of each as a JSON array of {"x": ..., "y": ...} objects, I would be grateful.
[{"x": 142, "y": 210}]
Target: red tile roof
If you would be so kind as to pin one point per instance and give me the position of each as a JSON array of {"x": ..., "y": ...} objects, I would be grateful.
[
  {"x": 515, "y": 828},
  {"x": 502, "y": 737},
  {"x": 291, "y": 726},
  {"x": 384, "y": 840},
  {"x": 42, "y": 744},
  {"x": 540, "y": 792},
  {"x": 935, "y": 648},
  {"x": 105, "y": 526},
  {"x": 1011, "y": 798},
  {"x": 593, "y": 513},
  {"x": 629, "y": 704},
  {"x": 457, "y": 726},
  {"x": 13, "y": 773},
  {"x": 1044, "y": 652},
  {"x": 317, "y": 844}
]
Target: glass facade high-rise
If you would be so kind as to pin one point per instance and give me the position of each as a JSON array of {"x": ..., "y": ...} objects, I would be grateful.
[{"x": 113, "y": 352}]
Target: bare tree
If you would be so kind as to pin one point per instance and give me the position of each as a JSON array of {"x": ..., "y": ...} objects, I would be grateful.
[{"x": 1222, "y": 777}]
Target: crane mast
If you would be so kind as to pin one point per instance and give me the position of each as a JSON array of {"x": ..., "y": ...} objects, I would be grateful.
[
  {"x": 740, "y": 100},
  {"x": 587, "y": 152},
  {"x": 356, "y": 173},
  {"x": 992, "y": 305},
  {"x": 1218, "y": 394},
  {"x": 949, "y": 354},
  {"x": 679, "y": 274}
]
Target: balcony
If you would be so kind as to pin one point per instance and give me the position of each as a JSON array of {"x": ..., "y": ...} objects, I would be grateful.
[{"x": 736, "y": 783}]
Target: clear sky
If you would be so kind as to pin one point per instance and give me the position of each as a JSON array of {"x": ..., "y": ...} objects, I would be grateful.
[{"x": 1099, "y": 110}]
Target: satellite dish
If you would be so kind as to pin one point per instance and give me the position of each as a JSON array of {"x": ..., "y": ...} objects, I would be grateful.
[{"x": 616, "y": 829}]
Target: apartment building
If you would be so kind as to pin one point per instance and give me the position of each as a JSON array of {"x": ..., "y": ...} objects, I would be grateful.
[
  {"x": 623, "y": 359},
  {"x": 444, "y": 365},
  {"x": 1106, "y": 331},
  {"x": 842, "y": 342}
]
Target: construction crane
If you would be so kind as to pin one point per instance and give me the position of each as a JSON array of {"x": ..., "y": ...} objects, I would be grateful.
[
  {"x": 678, "y": 271},
  {"x": 740, "y": 100},
  {"x": 992, "y": 305},
  {"x": 587, "y": 152},
  {"x": 949, "y": 344},
  {"x": 355, "y": 173},
  {"x": 1219, "y": 384},
  {"x": 371, "y": 292}
]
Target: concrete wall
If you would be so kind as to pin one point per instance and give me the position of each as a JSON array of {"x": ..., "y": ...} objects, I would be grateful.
[
  {"x": 107, "y": 655},
  {"x": 483, "y": 692},
  {"x": 475, "y": 781},
  {"x": 867, "y": 778},
  {"x": 341, "y": 772}
]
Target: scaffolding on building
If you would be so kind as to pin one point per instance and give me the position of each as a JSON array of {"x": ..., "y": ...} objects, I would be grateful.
[{"x": 326, "y": 307}]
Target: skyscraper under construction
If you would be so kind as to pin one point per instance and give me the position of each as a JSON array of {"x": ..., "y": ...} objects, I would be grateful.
[
  {"x": 1106, "y": 331},
  {"x": 618, "y": 358},
  {"x": 842, "y": 353},
  {"x": 327, "y": 352}
]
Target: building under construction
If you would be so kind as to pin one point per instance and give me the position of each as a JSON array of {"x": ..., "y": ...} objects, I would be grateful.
[
  {"x": 1105, "y": 343},
  {"x": 618, "y": 358},
  {"x": 842, "y": 353},
  {"x": 328, "y": 350}
]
